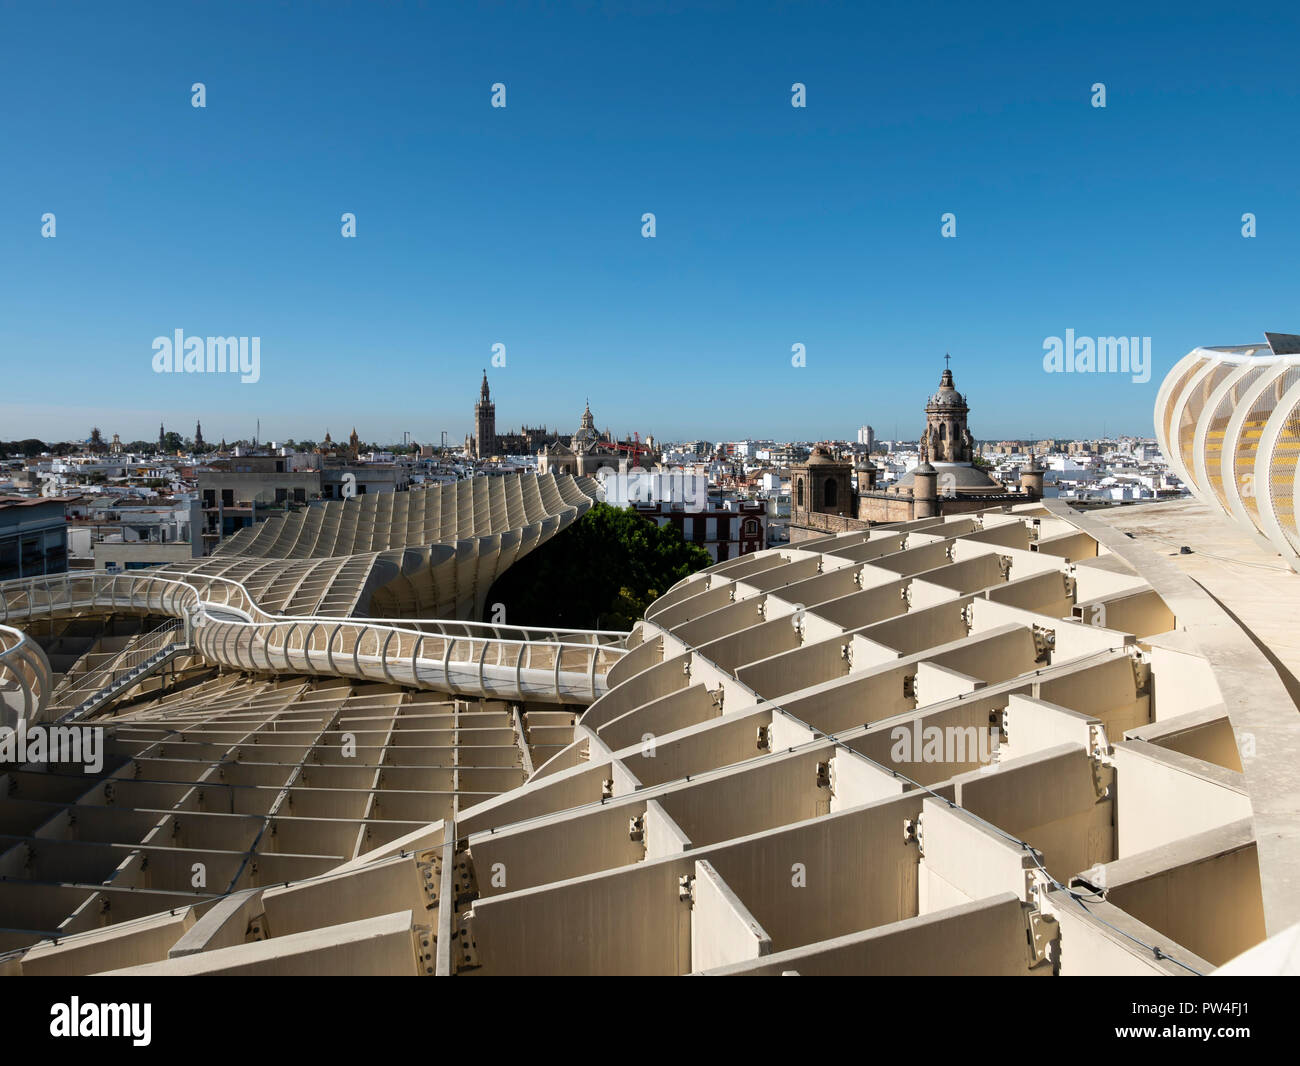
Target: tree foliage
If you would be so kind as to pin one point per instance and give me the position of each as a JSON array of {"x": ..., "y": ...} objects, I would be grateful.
[{"x": 602, "y": 572}]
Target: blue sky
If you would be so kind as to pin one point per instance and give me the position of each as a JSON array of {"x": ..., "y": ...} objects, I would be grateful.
[{"x": 522, "y": 225}]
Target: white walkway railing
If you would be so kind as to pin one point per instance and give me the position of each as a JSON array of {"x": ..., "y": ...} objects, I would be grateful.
[
  {"x": 225, "y": 624},
  {"x": 25, "y": 678}
]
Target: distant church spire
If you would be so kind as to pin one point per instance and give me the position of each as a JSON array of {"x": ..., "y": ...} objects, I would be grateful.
[
  {"x": 484, "y": 440},
  {"x": 947, "y": 439}
]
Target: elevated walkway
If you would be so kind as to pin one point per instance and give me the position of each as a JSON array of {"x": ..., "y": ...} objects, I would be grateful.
[{"x": 226, "y": 626}]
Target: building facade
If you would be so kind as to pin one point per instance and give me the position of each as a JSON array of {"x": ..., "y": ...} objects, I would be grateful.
[
  {"x": 590, "y": 451},
  {"x": 725, "y": 532},
  {"x": 33, "y": 536},
  {"x": 486, "y": 441},
  {"x": 946, "y": 481}
]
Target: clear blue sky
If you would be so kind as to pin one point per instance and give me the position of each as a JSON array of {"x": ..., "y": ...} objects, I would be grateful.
[{"x": 522, "y": 225}]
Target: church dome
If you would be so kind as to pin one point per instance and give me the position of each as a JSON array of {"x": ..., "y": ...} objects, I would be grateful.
[
  {"x": 963, "y": 479},
  {"x": 947, "y": 396},
  {"x": 587, "y": 428}
]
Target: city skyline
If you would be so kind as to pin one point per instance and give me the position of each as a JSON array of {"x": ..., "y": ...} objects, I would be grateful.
[
  {"x": 819, "y": 226},
  {"x": 896, "y": 430}
]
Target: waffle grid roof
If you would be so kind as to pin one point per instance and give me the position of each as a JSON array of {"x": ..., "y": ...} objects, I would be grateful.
[{"x": 430, "y": 552}]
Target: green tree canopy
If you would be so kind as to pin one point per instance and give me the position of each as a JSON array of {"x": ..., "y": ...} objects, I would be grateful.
[{"x": 602, "y": 572}]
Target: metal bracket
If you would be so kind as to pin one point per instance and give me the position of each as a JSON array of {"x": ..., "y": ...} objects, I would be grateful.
[
  {"x": 1044, "y": 642},
  {"x": 466, "y": 945},
  {"x": 256, "y": 928},
  {"x": 999, "y": 718},
  {"x": 1098, "y": 744},
  {"x": 425, "y": 941},
  {"x": 429, "y": 866},
  {"x": 1141, "y": 677},
  {"x": 686, "y": 888},
  {"x": 1042, "y": 932},
  {"x": 464, "y": 879},
  {"x": 824, "y": 774},
  {"x": 636, "y": 829},
  {"x": 1101, "y": 760},
  {"x": 912, "y": 833},
  {"x": 909, "y": 686},
  {"x": 765, "y": 738}
]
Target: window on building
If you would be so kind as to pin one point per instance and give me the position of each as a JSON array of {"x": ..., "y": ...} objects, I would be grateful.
[
  {"x": 227, "y": 497},
  {"x": 830, "y": 493},
  {"x": 56, "y": 552},
  {"x": 32, "y": 556},
  {"x": 799, "y": 501},
  {"x": 9, "y": 559}
]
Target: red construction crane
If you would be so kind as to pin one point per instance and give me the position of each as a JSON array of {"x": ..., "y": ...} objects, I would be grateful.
[{"x": 635, "y": 449}]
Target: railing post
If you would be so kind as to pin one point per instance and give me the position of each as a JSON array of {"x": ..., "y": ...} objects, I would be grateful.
[
  {"x": 415, "y": 655},
  {"x": 446, "y": 657}
]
